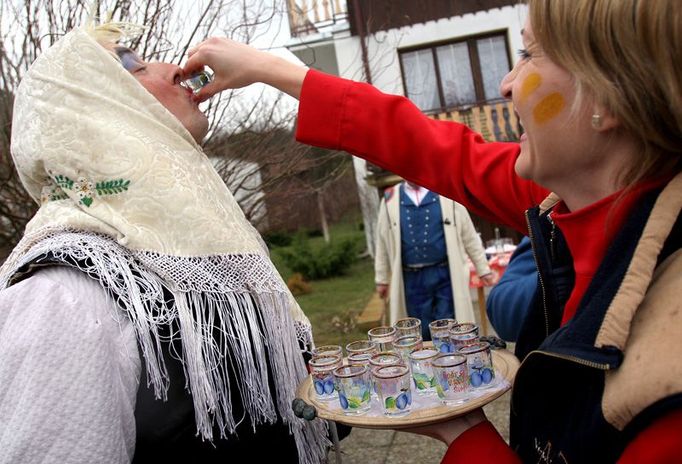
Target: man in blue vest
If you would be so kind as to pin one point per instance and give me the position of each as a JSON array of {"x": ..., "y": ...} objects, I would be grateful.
[{"x": 423, "y": 240}]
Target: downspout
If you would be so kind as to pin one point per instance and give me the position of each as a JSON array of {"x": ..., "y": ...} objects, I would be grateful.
[{"x": 362, "y": 34}]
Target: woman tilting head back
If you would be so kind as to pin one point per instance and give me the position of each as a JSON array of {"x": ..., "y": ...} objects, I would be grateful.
[{"x": 107, "y": 144}]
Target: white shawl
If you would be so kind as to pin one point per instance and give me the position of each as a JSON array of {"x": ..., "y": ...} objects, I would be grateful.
[{"x": 127, "y": 193}]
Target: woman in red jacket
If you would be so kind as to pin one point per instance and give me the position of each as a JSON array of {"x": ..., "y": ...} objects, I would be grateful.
[{"x": 594, "y": 182}]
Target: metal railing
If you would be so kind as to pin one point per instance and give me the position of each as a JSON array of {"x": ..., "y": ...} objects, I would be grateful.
[
  {"x": 495, "y": 120},
  {"x": 309, "y": 16}
]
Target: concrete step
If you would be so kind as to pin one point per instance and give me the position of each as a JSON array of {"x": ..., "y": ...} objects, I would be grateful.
[{"x": 372, "y": 314}]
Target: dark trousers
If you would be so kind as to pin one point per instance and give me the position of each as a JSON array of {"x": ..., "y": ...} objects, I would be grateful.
[{"x": 428, "y": 295}]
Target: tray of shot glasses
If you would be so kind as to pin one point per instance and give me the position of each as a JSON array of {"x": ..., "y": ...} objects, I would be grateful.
[{"x": 395, "y": 380}]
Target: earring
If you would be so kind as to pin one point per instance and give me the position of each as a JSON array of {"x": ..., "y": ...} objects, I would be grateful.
[{"x": 596, "y": 121}]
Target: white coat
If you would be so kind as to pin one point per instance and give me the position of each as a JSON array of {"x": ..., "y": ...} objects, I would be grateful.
[{"x": 461, "y": 239}]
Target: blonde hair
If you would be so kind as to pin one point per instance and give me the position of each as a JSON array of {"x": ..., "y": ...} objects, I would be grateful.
[{"x": 626, "y": 54}]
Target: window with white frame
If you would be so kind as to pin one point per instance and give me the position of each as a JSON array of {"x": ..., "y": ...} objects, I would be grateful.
[{"x": 456, "y": 74}]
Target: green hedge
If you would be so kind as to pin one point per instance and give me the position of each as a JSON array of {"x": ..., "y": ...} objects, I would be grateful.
[{"x": 321, "y": 262}]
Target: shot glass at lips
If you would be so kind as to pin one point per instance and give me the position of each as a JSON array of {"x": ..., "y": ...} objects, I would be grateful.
[
  {"x": 406, "y": 344},
  {"x": 479, "y": 364},
  {"x": 383, "y": 336},
  {"x": 362, "y": 346},
  {"x": 354, "y": 385},
  {"x": 393, "y": 387},
  {"x": 322, "y": 371},
  {"x": 328, "y": 350},
  {"x": 408, "y": 326},
  {"x": 440, "y": 334},
  {"x": 452, "y": 378},
  {"x": 422, "y": 371},
  {"x": 463, "y": 334}
]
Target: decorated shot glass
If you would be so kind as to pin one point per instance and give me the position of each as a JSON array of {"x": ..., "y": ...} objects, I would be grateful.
[
  {"x": 452, "y": 378},
  {"x": 354, "y": 385},
  {"x": 463, "y": 334},
  {"x": 479, "y": 364},
  {"x": 328, "y": 350},
  {"x": 383, "y": 336},
  {"x": 393, "y": 387},
  {"x": 385, "y": 358},
  {"x": 422, "y": 371},
  {"x": 322, "y": 372},
  {"x": 408, "y": 326},
  {"x": 361, "y": 359},
  {"x": 406, "y": 344},
  {"x": 362, "y": 346},
  {"x": 440, "y": 334}
]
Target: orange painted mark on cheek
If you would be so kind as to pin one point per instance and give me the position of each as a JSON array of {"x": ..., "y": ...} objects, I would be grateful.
[
  {"x": 529, "y": 85},
  {"x": 549, "y": 107}
]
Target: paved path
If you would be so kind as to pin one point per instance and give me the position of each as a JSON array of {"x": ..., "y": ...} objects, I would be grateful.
[{"x": 367, "y": 446}]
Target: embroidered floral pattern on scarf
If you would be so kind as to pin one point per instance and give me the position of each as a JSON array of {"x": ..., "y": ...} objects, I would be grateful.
[{"x": 124, "y": 188}]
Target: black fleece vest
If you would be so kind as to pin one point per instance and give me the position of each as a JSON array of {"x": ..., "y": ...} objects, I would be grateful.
[{"x": 556, "y": 414}]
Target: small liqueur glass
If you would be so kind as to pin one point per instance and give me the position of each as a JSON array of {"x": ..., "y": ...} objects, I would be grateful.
[
  {"x": 452, "y": 378},
  {"x": 479, "y": 364},
  {"x": 354, "y": 385},
  {"x": 463, "y": 334},
  {"x": 328, "y": 350},
  {"x": 406, "y": 344},
  {"x": 408, "y": 326},
  {"x": 322, "y": 372},
  {"x": 393, "y": 387},
  {"x": 362, "y": 346},
  {"x": 361, "y": 359},
  {"x": 440, "y": 334},
  {"x": 385, "y": 358},
  {"x": 197, "y": 81},
  {"x": 422, "y": 370},
  {"x": 383, "y": 336}
]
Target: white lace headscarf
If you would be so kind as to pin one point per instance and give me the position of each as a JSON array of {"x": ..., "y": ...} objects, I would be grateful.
[{"x": 127, "y": 193}]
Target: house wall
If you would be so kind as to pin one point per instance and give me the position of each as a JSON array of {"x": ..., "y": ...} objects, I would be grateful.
[{"x": 383, "y": 46}]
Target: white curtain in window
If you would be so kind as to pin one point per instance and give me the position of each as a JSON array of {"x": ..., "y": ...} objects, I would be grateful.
[
  {"x": 492, "y": 53},
  {"x": 420, "y": 79},
  {"x": 455, "y": 74}
]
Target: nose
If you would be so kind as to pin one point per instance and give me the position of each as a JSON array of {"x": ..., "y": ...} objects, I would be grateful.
[
  {"x": 173, "y": 72},
  {"x": 507, "y": 83}
]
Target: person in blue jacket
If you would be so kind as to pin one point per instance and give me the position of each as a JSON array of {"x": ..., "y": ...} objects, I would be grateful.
[{"x": 510, "y": 300}]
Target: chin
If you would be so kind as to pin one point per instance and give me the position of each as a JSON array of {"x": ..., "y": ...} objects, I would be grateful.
[
  {"x": 522, "y": 166},
  {"x": 198, "y": 129}
]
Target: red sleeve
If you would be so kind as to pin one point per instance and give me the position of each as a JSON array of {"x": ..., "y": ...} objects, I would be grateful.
[
  {"x": 657, "y": 444},
  {"x": 480, "y": 444},
  {"x": 393, "y": 133}
]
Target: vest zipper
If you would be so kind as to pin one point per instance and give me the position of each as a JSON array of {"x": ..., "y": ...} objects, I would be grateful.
[
  {"x": 551, "y": 236},
  {"x": 542, "y": 285},
  {"x": 575, "y": 359},
  {"x": 565, "y": 357}
]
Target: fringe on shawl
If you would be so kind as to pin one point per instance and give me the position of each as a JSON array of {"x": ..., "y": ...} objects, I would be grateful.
[{"x": 248, "y": 317}]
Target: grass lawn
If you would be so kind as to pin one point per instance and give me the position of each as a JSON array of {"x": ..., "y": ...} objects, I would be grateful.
[{"x": 344, "y": 296}]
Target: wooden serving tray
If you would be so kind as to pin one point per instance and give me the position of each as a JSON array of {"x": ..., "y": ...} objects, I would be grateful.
[{"x": 505, "y": 364}]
